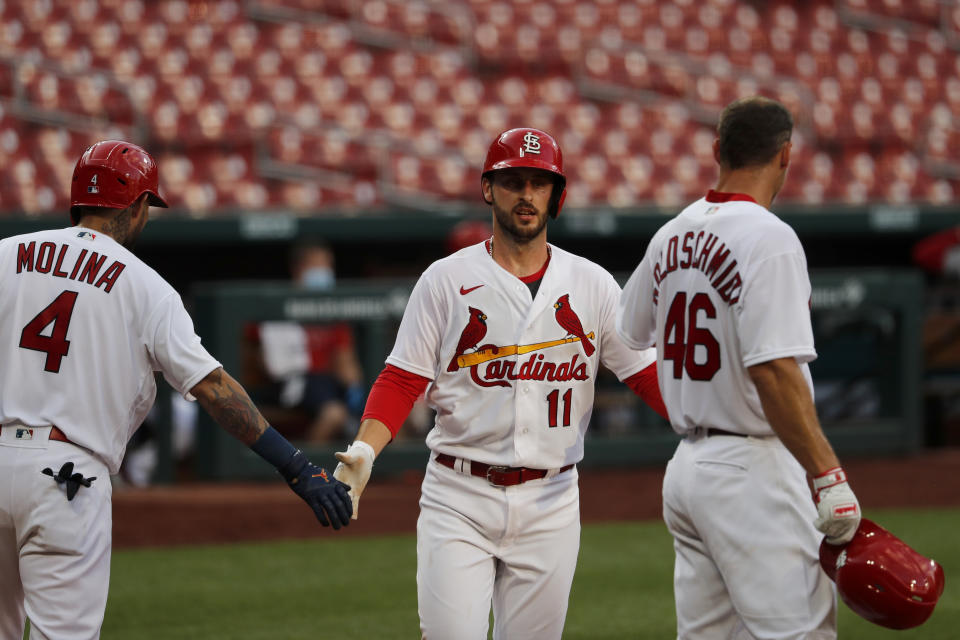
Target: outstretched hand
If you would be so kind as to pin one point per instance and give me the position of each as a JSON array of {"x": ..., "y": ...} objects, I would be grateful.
[
  {"x": 355, "y": 466},
  {"x": 328, "y": 497}
]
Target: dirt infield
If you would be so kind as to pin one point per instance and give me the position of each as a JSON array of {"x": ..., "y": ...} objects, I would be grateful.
[{"x": 215, "y": 513}]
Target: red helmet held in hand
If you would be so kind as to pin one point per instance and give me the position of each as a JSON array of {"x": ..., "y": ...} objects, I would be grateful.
[
  {"x": 882, "y": 579},
  {"x": 114, "y": 173},
  {"x": 526, "y": 147}
]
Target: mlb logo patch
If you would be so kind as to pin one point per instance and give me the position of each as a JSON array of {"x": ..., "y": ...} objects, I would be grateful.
[
  {"x": 24, "y": 434},
  {"x": 92, "y": 188}
]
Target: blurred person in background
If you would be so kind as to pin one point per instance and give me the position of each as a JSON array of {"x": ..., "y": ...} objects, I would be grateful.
[
  {"x": 314, "y": 368},
  {"x": 939, "y": 253},
  {"x": 506, "y": 337},
  {"x": 84, "y": 324},
  {"x": 723, "y": 292},
  {"x": 466, "y": 233}
]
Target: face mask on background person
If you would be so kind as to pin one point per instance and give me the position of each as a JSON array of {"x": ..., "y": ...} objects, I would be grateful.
[{"x": 318, "y": 278}]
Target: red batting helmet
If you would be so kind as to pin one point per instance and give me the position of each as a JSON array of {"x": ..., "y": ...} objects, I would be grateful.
[
  {"x": 526, "y": 147},
  {"x": 114, "y": 173},
  {"x": 882, "y": 579}
]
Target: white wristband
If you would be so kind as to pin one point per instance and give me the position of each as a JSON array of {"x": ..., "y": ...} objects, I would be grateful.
[
  {"x": 365, "y": 450},
  {"x": 829, "y": 478}
]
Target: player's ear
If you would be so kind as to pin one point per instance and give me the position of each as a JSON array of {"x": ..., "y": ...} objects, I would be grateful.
[
  {"x": 486, "y": 188},
  {"x": 785, "y": 154},
  {"x": 716, "y": 150}
]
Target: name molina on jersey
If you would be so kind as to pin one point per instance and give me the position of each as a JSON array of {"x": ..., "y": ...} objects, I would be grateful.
[
  {"x": 700, "y": 251},
  {"x": 48, "y": 258}
]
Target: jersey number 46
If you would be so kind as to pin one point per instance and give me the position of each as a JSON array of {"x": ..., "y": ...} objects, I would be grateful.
[{"x": 682, "y": 336}]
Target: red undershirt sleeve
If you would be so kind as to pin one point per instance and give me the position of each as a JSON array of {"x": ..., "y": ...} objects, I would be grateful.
[
  {"x": 644, "y": 384},
  {"x": 392, "y": 396}
]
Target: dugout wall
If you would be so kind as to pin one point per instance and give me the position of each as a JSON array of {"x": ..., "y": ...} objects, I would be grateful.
[{"x": 867, "y": 325}]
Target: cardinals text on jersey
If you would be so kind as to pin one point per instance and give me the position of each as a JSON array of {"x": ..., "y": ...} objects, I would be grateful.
[{"x": 499, "y": 371}]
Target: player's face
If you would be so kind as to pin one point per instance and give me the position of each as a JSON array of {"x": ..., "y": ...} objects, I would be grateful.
[{"x": 521, "y": 199}]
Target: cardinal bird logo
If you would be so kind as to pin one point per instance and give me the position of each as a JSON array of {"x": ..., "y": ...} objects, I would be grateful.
[
  {"x": 472, "y": 334},
  {"x": 567, "y": 318}
]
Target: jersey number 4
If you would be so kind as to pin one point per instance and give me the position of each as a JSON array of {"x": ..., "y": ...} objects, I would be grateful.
[
  {"x": 56, "y": 344},
  {"x": 682, "y": 336}
]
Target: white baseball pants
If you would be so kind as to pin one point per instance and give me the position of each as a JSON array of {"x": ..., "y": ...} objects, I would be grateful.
[
  {"x": 515, "y": 547},
  {"x": 54, "y": 553},
  {"x": 747, "y": 564}
]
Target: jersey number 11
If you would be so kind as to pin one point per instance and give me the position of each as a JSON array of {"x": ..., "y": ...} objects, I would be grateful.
[{"x": 553, "y": 406}]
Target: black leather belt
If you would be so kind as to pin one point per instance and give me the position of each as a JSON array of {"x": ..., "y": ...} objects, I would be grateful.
[
  {"x": 722, "y": 432},
  {"x": 707, "y": 432},
  {"x": 497, "y": 475}
]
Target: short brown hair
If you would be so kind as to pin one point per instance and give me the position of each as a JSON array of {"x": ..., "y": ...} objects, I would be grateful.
[{"x": 751, "y": 131}]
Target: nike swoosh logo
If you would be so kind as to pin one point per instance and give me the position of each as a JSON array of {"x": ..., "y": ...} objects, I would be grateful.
[{"x": 464, "y": 291}]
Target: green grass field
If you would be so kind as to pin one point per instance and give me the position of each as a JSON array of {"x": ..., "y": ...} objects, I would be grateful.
[{"x": 365, "y": 587}]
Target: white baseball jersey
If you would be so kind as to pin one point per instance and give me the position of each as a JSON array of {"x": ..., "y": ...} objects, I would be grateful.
[
  {"x": 512, "y": 377},
  {"x": 723, "y": 286},
  {"x": 84, "y": 324}
]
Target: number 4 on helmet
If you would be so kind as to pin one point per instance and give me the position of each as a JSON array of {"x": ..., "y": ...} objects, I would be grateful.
[{"x": 882, "y": 578}]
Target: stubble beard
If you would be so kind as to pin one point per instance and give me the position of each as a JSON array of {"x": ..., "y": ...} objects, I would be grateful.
[{"x": 521, "y": 235}]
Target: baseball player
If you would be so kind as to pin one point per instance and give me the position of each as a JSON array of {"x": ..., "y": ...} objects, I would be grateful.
[
  {"x": 506, "y": 336},
  {"x": 724, "y": 294},
  {"x": 83, "y": 326}
]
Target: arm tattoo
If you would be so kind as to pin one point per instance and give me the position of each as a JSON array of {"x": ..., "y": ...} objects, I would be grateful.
[{"x": 228, "y": 403}]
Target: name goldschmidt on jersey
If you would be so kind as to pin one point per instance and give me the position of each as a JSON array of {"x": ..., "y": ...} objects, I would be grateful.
[{"x": 700, "y": 251}]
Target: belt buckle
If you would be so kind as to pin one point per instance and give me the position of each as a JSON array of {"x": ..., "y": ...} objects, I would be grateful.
[{"x": 496, "y": 469}]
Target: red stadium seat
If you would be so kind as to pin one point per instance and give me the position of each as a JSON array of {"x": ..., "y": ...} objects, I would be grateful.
[{"x": 435, "y": 78}]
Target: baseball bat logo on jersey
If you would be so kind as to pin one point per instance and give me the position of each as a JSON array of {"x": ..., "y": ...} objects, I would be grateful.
[{"x": 499, "y": 370}]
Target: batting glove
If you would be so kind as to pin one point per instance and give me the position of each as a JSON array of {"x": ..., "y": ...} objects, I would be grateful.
[
  {"x": 328, "y": 497},
  {"x": 837, "y": 508},
  {"x": 354, "y": 468}
]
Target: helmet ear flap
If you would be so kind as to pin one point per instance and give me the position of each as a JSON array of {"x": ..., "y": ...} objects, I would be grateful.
[{"x": 556, "y": 201}]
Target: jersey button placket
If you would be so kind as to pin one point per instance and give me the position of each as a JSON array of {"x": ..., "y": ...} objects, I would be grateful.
[{"x": 520, "y": 418}]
